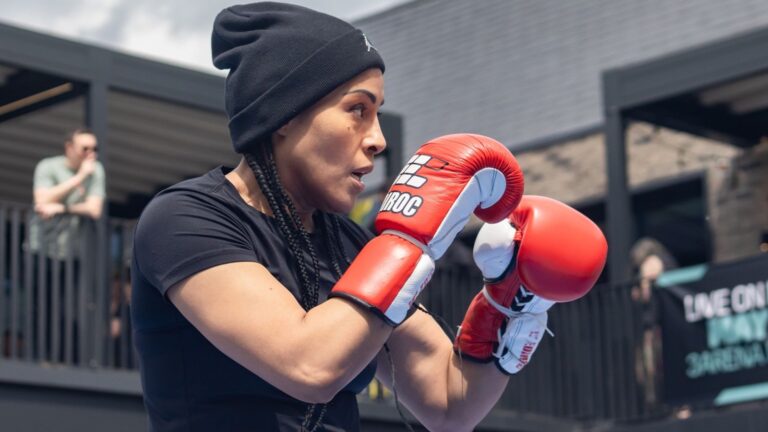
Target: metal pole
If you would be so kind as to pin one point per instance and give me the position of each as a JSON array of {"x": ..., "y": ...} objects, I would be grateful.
[
  {"x": 97, "y": 281},
  {"x": 392, "y": 127},
  {"x": 620, "y": 222}
]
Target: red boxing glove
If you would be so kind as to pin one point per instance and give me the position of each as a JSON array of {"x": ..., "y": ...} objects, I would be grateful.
[
  {"x": 431, "y": 200},
  {"x": 544, "y": 252}
]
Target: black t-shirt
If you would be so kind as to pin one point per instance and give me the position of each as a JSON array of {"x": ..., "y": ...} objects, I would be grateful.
[{"x": 189, "y": 385}]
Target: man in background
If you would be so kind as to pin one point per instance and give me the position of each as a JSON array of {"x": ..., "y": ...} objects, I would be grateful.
[
  {"x": 69, "y": 193},
  {"x": 66, "y": 189}
]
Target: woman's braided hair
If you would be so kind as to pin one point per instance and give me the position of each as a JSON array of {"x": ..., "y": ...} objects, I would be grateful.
[{"x": 262, "y": 162}]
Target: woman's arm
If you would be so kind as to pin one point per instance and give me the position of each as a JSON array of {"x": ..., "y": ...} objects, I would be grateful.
[
  {"x": 444, "y": 392},
  {"x": 247, "y": 314}
]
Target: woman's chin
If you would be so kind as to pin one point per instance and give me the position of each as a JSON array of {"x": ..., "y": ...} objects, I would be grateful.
[
  {"x": 342, "y": 208},
  {"x": 341, "y": 205}
]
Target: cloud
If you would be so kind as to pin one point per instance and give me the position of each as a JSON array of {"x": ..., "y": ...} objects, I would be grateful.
[
  {"x": 64, "y": 18},
  {"x": 167, "y": 31},
  {"x": 175, "y": 31},
  {"x": 165, "y": 39}
]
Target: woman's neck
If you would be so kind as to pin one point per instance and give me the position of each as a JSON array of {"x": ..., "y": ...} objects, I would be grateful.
[{"x": 244, "y": 181}]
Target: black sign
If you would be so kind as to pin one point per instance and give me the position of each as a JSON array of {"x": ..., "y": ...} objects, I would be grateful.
[{"x": 714, "y": 326}]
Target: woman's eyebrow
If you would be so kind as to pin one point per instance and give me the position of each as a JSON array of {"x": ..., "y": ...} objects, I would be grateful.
[{"x": 370, "y": 95}]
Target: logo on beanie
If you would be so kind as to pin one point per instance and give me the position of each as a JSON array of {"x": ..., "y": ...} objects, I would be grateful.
[{"x": 368, "y": 46}]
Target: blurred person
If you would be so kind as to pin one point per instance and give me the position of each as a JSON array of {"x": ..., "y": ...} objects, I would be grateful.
[
  {"x": 249, "y": 312},
  {"x": 69, "y": 192},
  {"x": 650, "y": 258},
  {"x": 120, "y": 252},
  {"x": 67, "y": 188}
]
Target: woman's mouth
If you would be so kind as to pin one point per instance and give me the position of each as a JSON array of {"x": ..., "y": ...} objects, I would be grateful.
[{"x": 359, "y": 173}]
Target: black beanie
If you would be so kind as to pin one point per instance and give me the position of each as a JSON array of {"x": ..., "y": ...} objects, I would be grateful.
[{"x": 282, "y": 58}]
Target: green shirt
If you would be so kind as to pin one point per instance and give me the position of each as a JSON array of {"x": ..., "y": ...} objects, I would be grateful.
[{"x": 58, "y": 234}]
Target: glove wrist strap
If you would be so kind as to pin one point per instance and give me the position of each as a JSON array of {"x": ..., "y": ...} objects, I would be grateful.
[
  {"x": 504, "y": 310},
  {"x": 416, "y": 242}
]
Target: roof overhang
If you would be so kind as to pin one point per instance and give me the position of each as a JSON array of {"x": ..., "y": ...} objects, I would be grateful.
[
  {"x": 80, "y": 62},
  {"x": 157, "y": 123},
  {"x": 718, "y": 90}
]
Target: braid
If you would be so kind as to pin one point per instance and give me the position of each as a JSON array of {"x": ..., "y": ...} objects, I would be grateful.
[
  {"x": 262, "y": 163},
  {"x": 263, "y": 166},
  {"x": 313, "y": 290},
  {"x": 333, "y": 239},
  {"x": 337, "y": 234}
]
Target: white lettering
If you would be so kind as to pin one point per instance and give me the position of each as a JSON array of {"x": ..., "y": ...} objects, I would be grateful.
[
  {"x": 746, "y": 297},
  {"x": 388, "y": 201},
  {"x": 721, "y": 302},
  {"x": 690, "y": 311},
  {"x": 401, "y": 202},
  {"x": 413, "y": 206},
  {"x": 726, "y": 301}
]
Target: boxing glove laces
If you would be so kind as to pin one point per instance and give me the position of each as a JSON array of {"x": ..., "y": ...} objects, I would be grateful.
[{"x": 543, "y": 253}]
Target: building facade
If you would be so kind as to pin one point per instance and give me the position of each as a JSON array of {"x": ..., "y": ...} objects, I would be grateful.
[{"x": 530, "y": 75}]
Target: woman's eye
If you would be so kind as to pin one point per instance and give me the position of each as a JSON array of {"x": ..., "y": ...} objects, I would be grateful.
[{"x": 358, "y": 109}]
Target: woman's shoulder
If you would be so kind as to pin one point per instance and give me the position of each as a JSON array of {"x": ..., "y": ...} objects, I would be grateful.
[
  {"x": 209, "y": 188},
  {"x": 203, "y": 198},
  {"x": 211, "y": 182}
]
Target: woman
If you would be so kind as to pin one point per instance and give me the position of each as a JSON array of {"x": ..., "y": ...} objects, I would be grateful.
[
  {"x": 232, "y": 270},
  {"x": 650, "y": 258}
]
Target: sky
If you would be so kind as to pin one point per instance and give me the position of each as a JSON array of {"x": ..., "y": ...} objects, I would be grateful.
[{"x": 171, "y": 31}]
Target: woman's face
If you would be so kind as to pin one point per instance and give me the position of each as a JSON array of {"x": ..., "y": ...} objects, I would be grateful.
[{"x": 323, "y": 153}]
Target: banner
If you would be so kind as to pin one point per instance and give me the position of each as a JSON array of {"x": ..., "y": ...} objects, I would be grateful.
[{"x": 714, "y": 326}]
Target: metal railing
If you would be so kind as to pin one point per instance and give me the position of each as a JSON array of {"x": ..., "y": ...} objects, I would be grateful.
[
  {"x": 67, "y": 309},
  {"x": 590, "y": 370},
  {"x": 75, "y": 312}
]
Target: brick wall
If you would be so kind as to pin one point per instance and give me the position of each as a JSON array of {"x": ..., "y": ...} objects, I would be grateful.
[
  {"x": 736, "y": 179},
  {"x": 738, "y": 204}
]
